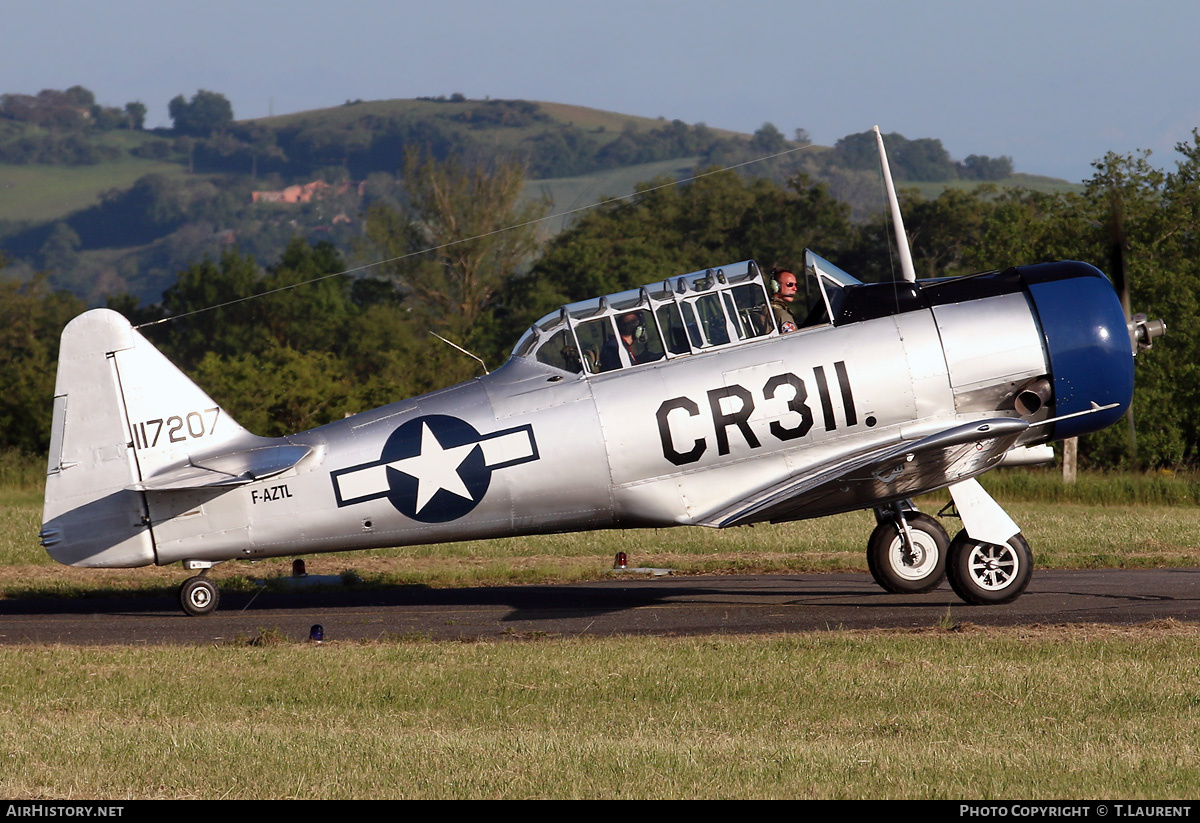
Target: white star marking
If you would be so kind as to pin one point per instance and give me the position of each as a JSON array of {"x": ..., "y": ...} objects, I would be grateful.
[{"x": 435, "y": 468}]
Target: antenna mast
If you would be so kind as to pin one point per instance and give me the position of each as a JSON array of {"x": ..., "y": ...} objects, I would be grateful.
[
  {"x": 906, "y": 264},
  {"x": 461, "y": 349}
]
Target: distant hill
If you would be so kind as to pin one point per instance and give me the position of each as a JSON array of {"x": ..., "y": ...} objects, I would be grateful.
[
  {"x": 1028, "y": 182},
  {"x": 107, "y": 207}
]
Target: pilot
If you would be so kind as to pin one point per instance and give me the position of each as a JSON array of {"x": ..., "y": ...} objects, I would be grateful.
[
  {"x": 783, "y": 287},
  {"x": 631, "y": 328}
]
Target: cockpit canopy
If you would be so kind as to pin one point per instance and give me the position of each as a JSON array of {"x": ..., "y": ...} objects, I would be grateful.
[{"x": 678, "y": 317}]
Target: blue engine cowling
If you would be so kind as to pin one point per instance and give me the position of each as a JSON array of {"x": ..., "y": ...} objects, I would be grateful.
[{"x": 1087, "y": 341}]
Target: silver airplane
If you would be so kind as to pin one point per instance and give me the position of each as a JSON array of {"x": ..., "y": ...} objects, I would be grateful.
[{"x": 678, "y": 403}]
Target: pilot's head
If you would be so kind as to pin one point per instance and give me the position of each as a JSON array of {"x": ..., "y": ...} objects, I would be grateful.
[
  {"x": 628, "y": 324},
  {"x": 785, "y": 284}
]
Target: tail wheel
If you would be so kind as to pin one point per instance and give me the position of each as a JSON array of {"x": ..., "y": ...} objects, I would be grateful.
[
  {"x": 199, "y": 596},
  {"x": 901, "y": 571},
  {"x": 986, "y": 573}
]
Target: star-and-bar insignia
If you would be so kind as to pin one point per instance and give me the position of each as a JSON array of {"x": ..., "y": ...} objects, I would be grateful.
[{"x": 435, "y": 468}]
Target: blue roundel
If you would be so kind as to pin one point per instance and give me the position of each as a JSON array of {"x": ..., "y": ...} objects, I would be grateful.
[
  {"x": 434, "y": 469},
  {"x": 1091, "y": 358},
  {"x": 450, "y": 449}
]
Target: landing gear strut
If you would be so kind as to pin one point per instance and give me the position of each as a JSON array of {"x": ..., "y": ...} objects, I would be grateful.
[{"x": 907, "y": 551}]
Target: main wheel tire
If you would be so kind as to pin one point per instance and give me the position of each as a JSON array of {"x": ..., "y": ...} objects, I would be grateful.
[
  {"x": 900, "y": 572},
  {"x": 199, "y": 596},
  {"x": 986, "y": 574}
]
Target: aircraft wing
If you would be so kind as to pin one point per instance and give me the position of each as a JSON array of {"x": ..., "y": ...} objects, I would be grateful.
[
  {"x": 229, "y": 469},
  {"x": 891, "y": 472}
]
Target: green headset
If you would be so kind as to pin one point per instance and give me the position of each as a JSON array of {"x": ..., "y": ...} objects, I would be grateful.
[{"x": 774, "y": 280}]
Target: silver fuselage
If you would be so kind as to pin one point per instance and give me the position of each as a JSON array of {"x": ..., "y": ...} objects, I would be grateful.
[
  {"x": 726, "y": 422},
  {"x": 663, "y": 444}
]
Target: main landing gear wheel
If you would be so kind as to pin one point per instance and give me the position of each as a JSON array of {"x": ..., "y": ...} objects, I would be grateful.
[
  {"x": 987, "y": 574},
  {"x": 901, "y": 571},
  {"x": 199, "y": 596}
]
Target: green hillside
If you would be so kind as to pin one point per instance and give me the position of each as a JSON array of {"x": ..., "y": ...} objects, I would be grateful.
[
  {"x": 105, "y": 207},
  {"x": 47, "y": 193},
  {"x": 569, "y": 195}
]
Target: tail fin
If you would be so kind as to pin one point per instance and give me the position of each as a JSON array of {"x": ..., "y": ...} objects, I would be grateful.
[{"x": 122, "y": 412}]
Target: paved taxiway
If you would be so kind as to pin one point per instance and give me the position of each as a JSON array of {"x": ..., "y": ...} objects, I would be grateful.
[{"x": 626, "y": 604}]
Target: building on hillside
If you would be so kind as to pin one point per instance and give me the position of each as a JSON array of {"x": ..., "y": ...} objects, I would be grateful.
[{"x": 304, "y": 193}]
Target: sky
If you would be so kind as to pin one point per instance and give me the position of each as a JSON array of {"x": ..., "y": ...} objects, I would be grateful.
[{"x": 1053, "y": 84}]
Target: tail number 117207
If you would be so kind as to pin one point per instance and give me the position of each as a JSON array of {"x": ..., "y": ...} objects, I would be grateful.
[{"x": 175, "y": 429}]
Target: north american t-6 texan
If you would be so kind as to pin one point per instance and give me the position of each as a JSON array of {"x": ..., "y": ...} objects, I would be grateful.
[{"x": 680, "y": 403}]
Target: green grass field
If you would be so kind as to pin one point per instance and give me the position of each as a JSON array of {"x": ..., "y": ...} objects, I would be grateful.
[
  {"x": 1049, "y": 713},
  {"x": 950, "y": 711}
]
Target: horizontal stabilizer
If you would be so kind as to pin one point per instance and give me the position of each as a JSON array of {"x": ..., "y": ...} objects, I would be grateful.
[{"x": 231, "y": 469}]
